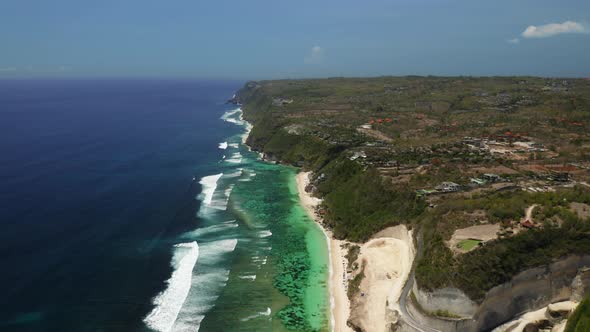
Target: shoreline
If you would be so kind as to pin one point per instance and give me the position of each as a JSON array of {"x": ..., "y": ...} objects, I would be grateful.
[
  {"x": 398, "y": 238},
  {"x": 339, "y": 302},
  {"x": 260, "y": 157}
]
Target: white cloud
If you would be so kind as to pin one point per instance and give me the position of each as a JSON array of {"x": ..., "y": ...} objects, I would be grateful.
[
  {"x": 513, "y": 41},
  {"x": 553, "y": 29},
  {"x": 315, "y": 56}
]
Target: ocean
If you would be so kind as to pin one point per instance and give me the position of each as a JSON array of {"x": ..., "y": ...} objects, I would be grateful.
[{"x": 133, "y": 205}]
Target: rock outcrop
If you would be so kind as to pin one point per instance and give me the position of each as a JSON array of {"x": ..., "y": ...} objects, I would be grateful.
[{"x": 566, "y": 279}]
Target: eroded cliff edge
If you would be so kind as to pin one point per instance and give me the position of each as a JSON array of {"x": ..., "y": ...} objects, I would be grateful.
[{"x": 565, "y": 279}]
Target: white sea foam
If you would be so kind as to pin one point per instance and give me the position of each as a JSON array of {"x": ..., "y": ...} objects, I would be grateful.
[
  {"x": 266, "y": 313},
  {"x": 209, "y": 184},
  {"x": 223, "y": 145},
  {"x": 207, "y": 281},
  {"x": 248, "y": 127},
  {"x": 237, "y": 173},
  {"x": 248, "y": 276},
  {"x": 202, "y": 298},
  {"x": 260, "y": 260},
  {"x": 169, "y": 302},
  {"x": 221, "y": 199},
  {"x": 264, "y": 234},
  {"x": 210, "y": 229},
  {"x": 246, "y": 133},
  {"x": 213, "y": 250},
  {"x": 228, "y": 114},
  {"x": 233, "y": 145},
  {"x": 235, "y": 158},
  {"x": 235, "y": 121}
]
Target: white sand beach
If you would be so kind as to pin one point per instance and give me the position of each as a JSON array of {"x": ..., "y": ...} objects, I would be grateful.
[{"x": 340, "y": 305}]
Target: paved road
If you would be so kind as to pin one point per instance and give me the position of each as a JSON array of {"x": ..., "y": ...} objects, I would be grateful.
[
  {"x": 403, "y": 304},
  {"x": 403, "y": 300}
]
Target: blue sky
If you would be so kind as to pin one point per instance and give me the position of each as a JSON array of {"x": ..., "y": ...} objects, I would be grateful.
[{"x": 258, "y": 39}]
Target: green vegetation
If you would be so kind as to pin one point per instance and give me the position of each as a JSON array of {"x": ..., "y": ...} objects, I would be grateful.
[
  {"x": 468, "y": 244},
  {"x": 579, "y": 321},
  {"x": 445, "y": 314},
  {"x": 363, "y": 205},
  {"x": 373, "y": 142},
  {"x": 479, "y": 270},
  {"x": 352, "y": 254},
  {"x": 355, "y": 284}
]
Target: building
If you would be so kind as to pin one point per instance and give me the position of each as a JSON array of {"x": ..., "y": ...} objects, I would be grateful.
[
  {"x": 559, "y": 176},
  {"x": 448, "y": 187},
  {"x": 478, "y": 181},
  {"x": 281, "y": 101},
  {"x": 358, "y": 154},
  {"x": 489, "y": 177}
]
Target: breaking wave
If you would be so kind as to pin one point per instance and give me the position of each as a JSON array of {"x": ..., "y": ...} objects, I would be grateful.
[
  {"x": 224, "y": 226},
  {"x": 206, "y": 284},
  {"x": 223, "y": 145},
  {"x": 209, "y": 184},
  {"x": 221, "y": 199},
  {"x": 235, "y": 158},
  {"x": 169, "y": 302}
]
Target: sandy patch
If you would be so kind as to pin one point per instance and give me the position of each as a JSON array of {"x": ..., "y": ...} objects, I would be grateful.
[
  {"x": 340, "y": 306},
  {"x": 484, "y": 233},
  {"x": 375, "y": 134},
  {"x": 387, "y": 261},
  {"x": 581, "y": 209}
]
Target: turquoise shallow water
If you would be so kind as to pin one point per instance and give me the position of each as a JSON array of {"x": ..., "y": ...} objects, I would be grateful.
[{"x": 261, "y": 262}]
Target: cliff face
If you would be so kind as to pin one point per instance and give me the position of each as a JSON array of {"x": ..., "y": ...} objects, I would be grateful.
[
  {"x": 533, "y": 289},
  {"x": 568, "y": 278},
  {"x": 448, "y": 299}
]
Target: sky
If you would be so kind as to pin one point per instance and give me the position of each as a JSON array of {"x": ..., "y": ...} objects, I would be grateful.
[{"x": 265, "y": 39}]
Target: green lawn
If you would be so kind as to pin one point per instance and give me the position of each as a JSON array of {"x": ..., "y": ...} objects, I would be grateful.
[{"x": 468, "y": 244}]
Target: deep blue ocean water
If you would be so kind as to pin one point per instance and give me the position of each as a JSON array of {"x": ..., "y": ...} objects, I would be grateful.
[
  {"x": 96, "y": 184},
  {"x": 134, "y": 205}
]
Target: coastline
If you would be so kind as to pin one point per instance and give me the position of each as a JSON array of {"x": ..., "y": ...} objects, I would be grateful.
[
  {"x": 372, "y": 312},
  {"x": 339, "y": 302}
]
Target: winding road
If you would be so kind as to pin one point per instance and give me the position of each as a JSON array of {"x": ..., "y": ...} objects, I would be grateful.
[
  {"x": 403, "y": 299},
  {"x": 403, "y": 304}
]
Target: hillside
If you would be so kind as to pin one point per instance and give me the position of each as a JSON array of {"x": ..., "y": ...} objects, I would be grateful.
[{"x": 446, "y": 155}]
